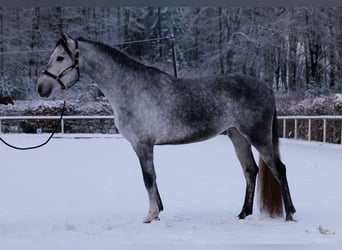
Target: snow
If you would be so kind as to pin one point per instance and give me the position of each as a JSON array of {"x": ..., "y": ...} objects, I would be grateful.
[
  {"x": 338, "y": 99},
  {"x": 86, "y": 192}
]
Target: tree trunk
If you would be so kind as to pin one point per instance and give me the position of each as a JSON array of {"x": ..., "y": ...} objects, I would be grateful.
[
  {"x": 332, "y": 62},
  {"x": 1, "y": 43},
  {"x": 221, "y": 37},
  {"x": 159, "y": 32},
  {"x": 292, "y": 62},
  {"x": 59, "y": 13},
  {"x": 34, "y": 43}
]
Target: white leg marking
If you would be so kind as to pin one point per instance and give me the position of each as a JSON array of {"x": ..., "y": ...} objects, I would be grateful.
[{"x": 153, "y": 213}]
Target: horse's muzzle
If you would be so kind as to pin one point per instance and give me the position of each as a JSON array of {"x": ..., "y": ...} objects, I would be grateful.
[{"x": 44, "y": 90}]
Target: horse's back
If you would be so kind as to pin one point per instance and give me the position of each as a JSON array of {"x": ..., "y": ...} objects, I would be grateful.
[
  {"x": 244, "y": 90},
  {"x": 231, "y": 96}
]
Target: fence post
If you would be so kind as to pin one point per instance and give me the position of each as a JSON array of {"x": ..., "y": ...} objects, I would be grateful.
[
  {"x": 62, "y": 126},
  {"x": 284, "y": 128},
  {"x": 295, "y": 129},
  {"x": 309, "y": 130},
  {"x": 324, "y": 130}
]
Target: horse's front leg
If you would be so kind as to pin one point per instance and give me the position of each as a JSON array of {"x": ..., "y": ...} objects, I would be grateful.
[{"x": 145, "y": 154}]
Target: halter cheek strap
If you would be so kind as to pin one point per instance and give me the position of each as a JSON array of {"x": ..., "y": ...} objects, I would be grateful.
[{"x": 58, "y": 78}]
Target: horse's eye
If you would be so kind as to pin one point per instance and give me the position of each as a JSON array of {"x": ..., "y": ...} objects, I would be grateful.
[{"x": 60, "y": 58}]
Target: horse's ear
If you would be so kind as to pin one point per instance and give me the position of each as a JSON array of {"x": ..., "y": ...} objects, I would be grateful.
[{"x": 65, "y": 38}]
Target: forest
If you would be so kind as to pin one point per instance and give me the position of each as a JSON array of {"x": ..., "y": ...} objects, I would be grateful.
[{"x": 295, "y": 50}]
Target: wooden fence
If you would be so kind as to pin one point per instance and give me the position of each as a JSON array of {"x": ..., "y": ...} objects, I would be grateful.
[
  {"x": 312, "y": 128},
  {"x": 66, "y": 118},
  {"x": 323, "y": 128}
]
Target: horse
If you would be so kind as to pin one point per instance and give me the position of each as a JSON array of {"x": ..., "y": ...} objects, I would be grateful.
[{"x": 152, "y": 107}]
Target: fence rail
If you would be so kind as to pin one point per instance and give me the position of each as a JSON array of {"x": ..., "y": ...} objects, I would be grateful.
[
  {"x": 290, "y": 126},
  {"x": 64, "y": 118},
  {"x": 299, "y": 132}
]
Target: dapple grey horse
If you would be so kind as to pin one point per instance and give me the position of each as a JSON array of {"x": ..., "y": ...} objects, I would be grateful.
[{"x": 152, "y": 107}]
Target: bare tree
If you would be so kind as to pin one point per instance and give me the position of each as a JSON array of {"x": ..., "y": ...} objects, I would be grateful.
[{"x": 293, "y": 49}]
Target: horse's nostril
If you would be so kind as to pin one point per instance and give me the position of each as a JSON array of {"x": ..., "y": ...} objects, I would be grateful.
[
  {"x": 41, "y": 91},
  {"x": 44, "y": 91}
]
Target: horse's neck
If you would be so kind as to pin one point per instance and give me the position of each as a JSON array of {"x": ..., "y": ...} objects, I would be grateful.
[{"x": 111, "y": 77}]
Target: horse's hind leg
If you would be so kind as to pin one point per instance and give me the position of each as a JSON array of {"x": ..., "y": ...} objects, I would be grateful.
[
  {"x": 250, "y": 169},
  {"x": 145, "y": 155}
]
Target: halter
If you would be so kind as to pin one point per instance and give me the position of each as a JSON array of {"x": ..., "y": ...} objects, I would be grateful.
[{"x": 58, "y": 78}]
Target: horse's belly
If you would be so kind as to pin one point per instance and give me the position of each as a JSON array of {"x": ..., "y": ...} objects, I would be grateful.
[{"x": 183, "y": 137}]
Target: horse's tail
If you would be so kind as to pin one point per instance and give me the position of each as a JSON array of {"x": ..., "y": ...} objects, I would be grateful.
[{"x": 271, "y": 200}]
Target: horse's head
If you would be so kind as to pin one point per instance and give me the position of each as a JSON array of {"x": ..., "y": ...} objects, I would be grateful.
[{"x": 62, "y": 69}]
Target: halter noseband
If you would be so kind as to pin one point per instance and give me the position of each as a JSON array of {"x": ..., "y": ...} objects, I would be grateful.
[{"x": 58, "y": 78}]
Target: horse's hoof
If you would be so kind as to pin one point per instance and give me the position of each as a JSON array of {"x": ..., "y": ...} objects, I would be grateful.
[
  {"x": 289, "y": 217},
  {"x": 151, "y": 216},
  {"x": 242, "y": 215}
]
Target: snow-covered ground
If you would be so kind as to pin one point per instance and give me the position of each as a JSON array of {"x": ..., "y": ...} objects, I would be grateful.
[{"x": 88, "y": 193}]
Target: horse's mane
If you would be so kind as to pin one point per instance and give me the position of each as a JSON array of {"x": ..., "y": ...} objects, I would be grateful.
[{"x": 122, "y": 58}]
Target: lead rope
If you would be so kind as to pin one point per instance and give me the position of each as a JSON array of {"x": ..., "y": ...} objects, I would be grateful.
[{"x": 52, "y": 134}]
